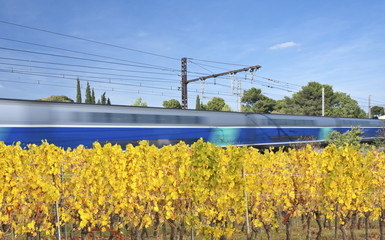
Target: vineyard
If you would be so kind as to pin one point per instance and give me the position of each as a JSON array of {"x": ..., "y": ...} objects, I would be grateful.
[{"x": 202, "y": 189}]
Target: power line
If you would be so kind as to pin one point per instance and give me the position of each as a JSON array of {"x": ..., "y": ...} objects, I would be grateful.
[
  {"x": 79, "y": 52},
  {"x": 79, "y": 71},
  {"x": 224, "y": 63},
  {"x": 74, "y": 77},
  {"x": 104, "y": 82},
  {"x": 86, "y": 66},
  {"x": 206, "y": 65},
  {"x": 201, "y": 67},
  {"x": 36, "y": 82},
  {"x": 89, "y": 40},
  {"x": 95, "y": 60},
  {"x": 86, "y": 59}
]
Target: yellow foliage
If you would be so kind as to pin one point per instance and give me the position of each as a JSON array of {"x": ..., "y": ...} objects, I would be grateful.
[{"x": 199, "y": 184}]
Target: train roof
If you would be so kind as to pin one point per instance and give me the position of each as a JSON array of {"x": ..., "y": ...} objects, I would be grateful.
[{"x": 189, "y": 111}]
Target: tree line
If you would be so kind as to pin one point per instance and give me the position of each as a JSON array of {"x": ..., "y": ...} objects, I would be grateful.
[
  {"x": 307, "y": 101},
  {"x": 90, "y": 96}
]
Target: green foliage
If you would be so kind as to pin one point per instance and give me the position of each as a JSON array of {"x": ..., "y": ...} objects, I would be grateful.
[
  {"x": 216, "y": 104},
  {"x": 345, "y": 106},
  {"x": 379, "y": 141},
  {"x": 352, "y": 137},
  {"x": 88, "y": 94},
  {"x": 226, "y": 108},
  {"x": 377, "y": 111},
  {"x": 138, "y": 103},
  {"x": 78, "y": 92},
  {"x": 103, "y": 99},
  {"x": 255, "y": 101},
  {"x": 308, "y": 101},
  {"x": 203, "y": 106},
  {"x": 173, "y": 103},
  {"x": 93, "y": 96},
  {"x": 198, "y": 103},
  {"x": 56, "y": 98}
]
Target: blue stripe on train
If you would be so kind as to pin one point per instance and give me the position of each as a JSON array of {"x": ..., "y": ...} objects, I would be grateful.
[{"x": 74, "y": 136}]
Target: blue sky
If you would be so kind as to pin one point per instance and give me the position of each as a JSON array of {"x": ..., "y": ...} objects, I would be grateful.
[{"x": 340, "y": 43}]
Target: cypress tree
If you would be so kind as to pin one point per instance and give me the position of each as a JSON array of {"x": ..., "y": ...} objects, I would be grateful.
[
  {"x": 198, "y": 103},
  {"x": 88, "y": 94},
  {"x": 103, "y": 99},
  {"x": 98, "y": 101},
  {"x": 108, "y": 101},
  {"x": 78, "y": 93},
  {"x": 93, "y": 96}
]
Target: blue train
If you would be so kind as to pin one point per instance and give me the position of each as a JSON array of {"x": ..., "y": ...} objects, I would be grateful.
[{"x": 69, "y": 125}]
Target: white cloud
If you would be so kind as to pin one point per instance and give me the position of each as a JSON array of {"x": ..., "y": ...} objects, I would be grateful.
[
  {"x": 283, "y": 45},
  {"x": 142, "y": 34},
  {"x": 1, "y": 86}
]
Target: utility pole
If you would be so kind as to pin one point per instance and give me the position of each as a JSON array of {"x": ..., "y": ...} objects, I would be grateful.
[
  {"x": 370, "y": 110},
  {"x": 323, "y": 102},
  {"x": 184, "y": 80},
  {"x": 239, "y": 96}
]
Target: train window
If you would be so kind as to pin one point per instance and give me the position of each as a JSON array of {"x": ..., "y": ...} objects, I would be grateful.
[
  {"x": 111, "y": 117},
  {"x": 190, "y": 120},
  {"x": 145, "y": 118},
  {"x": 99, "y": 117},
  {"x": 291, "y": 122}
]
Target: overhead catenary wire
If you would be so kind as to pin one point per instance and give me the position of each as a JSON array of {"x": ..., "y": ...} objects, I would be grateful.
[
  {"x": 199, "y": 65},
  {"x": 80, "y": 52},
  {"x": 91, "y": 72},
  {"x": 106, "y": 89},
  {"x": 88, "y": 40},
  {"x": 86, "y": 66},
  {"x": 206, "y": 65},
  {"x": 74, "y": 77},
  {"x": 218, "y": 62},
  {"x": 87, "y": 59}
]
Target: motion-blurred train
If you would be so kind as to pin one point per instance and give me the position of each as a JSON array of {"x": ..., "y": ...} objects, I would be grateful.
[{"x": 70, "y": 125}]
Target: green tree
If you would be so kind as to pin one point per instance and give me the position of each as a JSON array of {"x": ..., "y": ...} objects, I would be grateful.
[
  {"x": 198, "y": 103},
  {"x": 173, "y": 103},
  {"x": 308, "y": 101},
  {"x": 345, "y": 106},
  {"x": 377, "y": 111},
  {"x": 226, "y": 108},
  {"x": 93, "y": 96},
  {"x": 108, "y": 101},
  {"x": 88, "y": 94},
  {"x": 138, "y": 102},
  {"x": 103, "y": 99},
  {"x": 255, "y": 101},
  {"x": 78, "y": 92},
  {"x": 352, "y": 137},
  {"x": 99, "y": 102},
  {"x": 310, "y": 98},
  {"x": 56, "y": 98},
  {"x": 203, "y": 106},
  {"x": 216, "y": 104},
  {"x": 286, "y": 106}
]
